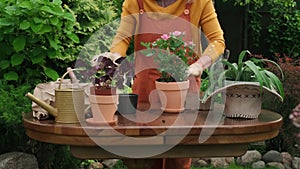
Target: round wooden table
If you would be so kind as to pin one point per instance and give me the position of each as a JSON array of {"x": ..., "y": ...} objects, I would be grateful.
[{"x": 187, "y": 134}]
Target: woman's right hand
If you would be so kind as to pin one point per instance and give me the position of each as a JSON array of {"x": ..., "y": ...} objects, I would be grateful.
[{"x": 112, "y": 56}]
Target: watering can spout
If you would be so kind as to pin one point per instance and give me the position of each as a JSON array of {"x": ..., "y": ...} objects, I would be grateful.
[{"x": 51, "y": 110}]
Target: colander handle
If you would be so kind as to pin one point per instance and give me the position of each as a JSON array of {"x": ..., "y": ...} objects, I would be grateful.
[{"x": 63, "y": 76}]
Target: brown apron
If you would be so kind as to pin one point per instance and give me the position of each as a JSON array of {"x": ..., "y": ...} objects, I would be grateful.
[{"x": 150, "y": 29}]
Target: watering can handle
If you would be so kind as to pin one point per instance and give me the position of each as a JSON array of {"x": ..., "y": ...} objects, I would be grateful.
[{"x": 72, "y": 76}]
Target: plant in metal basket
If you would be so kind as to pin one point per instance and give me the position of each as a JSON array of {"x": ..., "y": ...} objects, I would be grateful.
[{"x": 253, "y": 70}]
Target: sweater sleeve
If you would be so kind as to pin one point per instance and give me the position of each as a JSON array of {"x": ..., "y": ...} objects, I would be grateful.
[
  {"x": 211, "y": 27},
  {"x": 126, "y": 28}
]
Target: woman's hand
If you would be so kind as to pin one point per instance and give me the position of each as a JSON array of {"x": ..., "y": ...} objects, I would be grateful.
[
  {"x": 196, "y": 69},
  {"x": 112, "y": 56}
]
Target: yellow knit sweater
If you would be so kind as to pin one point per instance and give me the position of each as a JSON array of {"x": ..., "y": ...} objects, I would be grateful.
[{"x": 202, "y": 17}]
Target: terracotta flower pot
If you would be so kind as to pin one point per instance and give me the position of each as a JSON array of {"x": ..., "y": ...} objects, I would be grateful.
[
  {"x": 172, "y": 95},
  {"x": 103, "y": 109}
]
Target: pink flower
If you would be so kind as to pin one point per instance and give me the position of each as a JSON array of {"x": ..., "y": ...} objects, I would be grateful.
[
  {"x": 176, "y": 33},
  {"x": 191, "y": 43},
  {"x": 165, "y": 37}
]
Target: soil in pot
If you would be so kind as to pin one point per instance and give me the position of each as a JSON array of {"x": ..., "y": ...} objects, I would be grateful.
[{"x": 98, "y": 90}]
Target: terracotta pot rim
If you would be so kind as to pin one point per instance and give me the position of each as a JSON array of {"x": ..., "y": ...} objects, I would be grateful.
[
  {"x": 184, "y": 85},
  {"x": 104, "y": 99}
]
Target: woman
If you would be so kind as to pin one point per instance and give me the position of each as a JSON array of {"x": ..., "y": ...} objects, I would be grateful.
[{"x": 145, "y": 21}]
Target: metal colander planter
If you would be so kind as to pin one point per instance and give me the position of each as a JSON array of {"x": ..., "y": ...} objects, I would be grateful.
[
  {"x": 243, "y": 99},
  {"x": 243, "y": 102}
]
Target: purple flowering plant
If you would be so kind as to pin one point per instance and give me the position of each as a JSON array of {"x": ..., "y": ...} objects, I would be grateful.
[
  {"x": 172, "y": 54},
  {"x": 108, "y": 74}
]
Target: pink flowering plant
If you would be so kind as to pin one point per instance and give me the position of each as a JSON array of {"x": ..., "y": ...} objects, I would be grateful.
[{"x": 172, "y": 54}]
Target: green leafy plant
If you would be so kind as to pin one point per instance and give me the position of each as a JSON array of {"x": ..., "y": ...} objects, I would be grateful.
[
  {"x": 252, "y": 70},
  {"x": 12, "y": 105},
  {"x": 281, "y": 15},
  {"x": 31, "y": 34},
  {"x": 41, "y": 38},
  {"x": 172, "y": 55},
  {"x": 284, "y": 16}
]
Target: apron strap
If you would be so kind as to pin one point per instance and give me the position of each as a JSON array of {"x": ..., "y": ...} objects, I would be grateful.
[
  {"x": 141, "y": 6},
  {"x": 187, "y": 9}
]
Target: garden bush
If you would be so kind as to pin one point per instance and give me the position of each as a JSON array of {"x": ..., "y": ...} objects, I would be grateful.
[
  {"x": 34, "y": 35},
  {"x": 39, "y": 39},
  {"x": 274, "y": 27},
  {"x": 279, "y": 33}
]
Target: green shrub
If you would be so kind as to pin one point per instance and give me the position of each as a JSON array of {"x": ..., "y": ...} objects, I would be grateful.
[
  {"x": 41, "y": 38},
  {"x": 12, "y": 105},
  {"x": 32, "y": 33},
  {"x": 284, "y": 28},
  {"x": 280, "y": 30},
  {"x": 286, "y": 140}
]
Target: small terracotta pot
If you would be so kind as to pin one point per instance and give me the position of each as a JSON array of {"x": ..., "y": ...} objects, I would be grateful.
[
  {"x": 103, "y": 108},
  {"x": 172, "y": 95}
]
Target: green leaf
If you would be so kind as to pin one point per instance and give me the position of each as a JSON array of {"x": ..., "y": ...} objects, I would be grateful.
[
  {"x": 148, "y": 52},
  {"x": 257, "y": 73},
  {"x": 279, "y": 68},
  {"x": 37, "y": 20},
  {"x": 6, "y": 22},
  {"x": 19, "y": 43},
  {"x": 232, "y": 67},
  {"x": 55, "y": 10},
  {"x": 10, "y": 10},
  {"x": 241, "y": 58},
  {"x": 53, "y": 44},
  {"x": 51, "y": 53},
  {"x": 24, "y": 25},
  {"x": 9, "y": 30},
  {"x": 276, "y": 83},
  {"x": 11, "y": 76},
  {"x": 26, "y": 4},
  {"x": 36, "y": 27},
  {"x": 4, "y": 64},
  {"x": 267, "y": 81},
  {"x": 51, "y": 73},
  {"x": 45, "y": 29},
  {"x": 37, "y": 51},
  {"x": 73, "y": 37},
  {"x": 35, "y": 59},
  {"x": 57, "y": 2},
  {"x": 16, "y": 59},
  {"x": 69, "y": 17},
  {"x": 54, "y": 21},
  {"x": 46, "y": 9}
]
